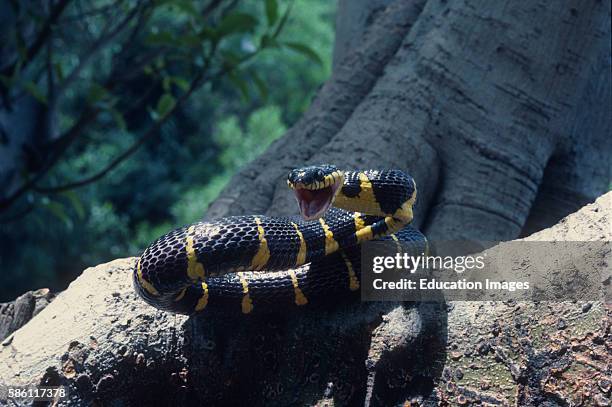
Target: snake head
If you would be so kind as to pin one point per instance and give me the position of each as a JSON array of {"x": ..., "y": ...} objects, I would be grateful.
[{"x": 315, "y": 188}]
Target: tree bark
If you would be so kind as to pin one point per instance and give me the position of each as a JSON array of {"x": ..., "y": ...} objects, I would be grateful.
[{"x": 352, "y": 22}]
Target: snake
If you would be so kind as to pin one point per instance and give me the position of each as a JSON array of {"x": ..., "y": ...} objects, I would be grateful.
[{"x": 261, "y": 263}]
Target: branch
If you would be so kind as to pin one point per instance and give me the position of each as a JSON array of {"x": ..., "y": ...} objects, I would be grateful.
[
  {"x": 95, "y": 47},
  {"x": 63, "y": 142},
  {"x": 18, "y": 215},
  {"x": 212, "y": 6},
  {"x": 142, "y": 19},
  {"x": 60, "y": 145},
  {"x": 41, "y": 38},
  {"x": 91, "y": 12},
  {"x": 195, "y": 84},
  {"x": 86, "y": 117},
  {"x": 49, "y": 71},
  {"x": 151, "y": 131}
]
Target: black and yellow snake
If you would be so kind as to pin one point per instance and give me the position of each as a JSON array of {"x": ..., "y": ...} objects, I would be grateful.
[{"x": 258, "y": 262}]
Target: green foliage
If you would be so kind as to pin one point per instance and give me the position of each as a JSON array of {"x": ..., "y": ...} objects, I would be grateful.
[
  {"x": 236, "y": 22},
  {"x": 304, "y": 50},
  {"x": 170, "y": 180},
  {"x": 239, "y": 146},
  {"x": 293, "y": 83},
  {"x": 271, "y": 12},
  {"x": 165, "y": 105},
  {"x": 192, "y": 204}
]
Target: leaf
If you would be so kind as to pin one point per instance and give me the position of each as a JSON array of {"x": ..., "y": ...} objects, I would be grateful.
[
  {"x": 161, "y": 38},
  {"x": 271, "y": 11},
  {"x": 236, "y": 22},
  {"x": 153, "y": 113},
  {"x": 304, "y": 50},
  {"x": 76, "y": 203},
  {"x": 166, "y": 83},
  {"x": 165, "y": 105},
  {"x": 240, "y": 83},
  {"x": 58, "y": 211},
  {"x": 206, "y": 33},
  {"x": 59, "y": 71},
  {"x": 282, "y": 22},
  {"x": 6, "y": 81},
  {"x": 33, "y": 90},
  {"x": 261, "y": 86},
  {"x": 267, "y": 41},
  {"x": 182, "y": 83},
  {"x": 21, "y": 46},
  {"x": 230, "y": 59},
  {"x": 187, "y": 7},
  {"x": 118, "y": 118},
  {"x": 190, "y": 40},
  {"x": 96, "y": 93}
]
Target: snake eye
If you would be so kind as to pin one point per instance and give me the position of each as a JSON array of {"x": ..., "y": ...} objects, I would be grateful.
[{"x": 292, "y": 176}]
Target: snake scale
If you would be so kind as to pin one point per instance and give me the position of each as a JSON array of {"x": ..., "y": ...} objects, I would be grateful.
[{"x": 259, "y": 262}]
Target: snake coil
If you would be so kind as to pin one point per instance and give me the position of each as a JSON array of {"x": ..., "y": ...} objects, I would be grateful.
[{"x": 259, "y": 262}]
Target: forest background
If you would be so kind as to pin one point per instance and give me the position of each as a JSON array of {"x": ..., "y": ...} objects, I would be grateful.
[{"x": 263, "y": 63}]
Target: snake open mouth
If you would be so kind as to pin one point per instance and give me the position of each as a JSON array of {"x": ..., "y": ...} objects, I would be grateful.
[{"x": 314, "y": 203}]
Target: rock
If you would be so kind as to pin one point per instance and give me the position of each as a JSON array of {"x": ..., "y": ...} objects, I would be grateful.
[
  {"x": 15, "y": 314},
  {"x": 267, "y": 358}
]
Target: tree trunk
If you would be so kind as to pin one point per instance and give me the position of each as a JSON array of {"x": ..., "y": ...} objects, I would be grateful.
[
  {"x": 352, "y": 22},
  {"x": 487, "y": 104}
]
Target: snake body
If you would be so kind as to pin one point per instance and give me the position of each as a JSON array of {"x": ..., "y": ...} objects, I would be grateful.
[{"x": 260, "y": 262}]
